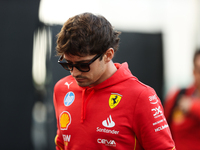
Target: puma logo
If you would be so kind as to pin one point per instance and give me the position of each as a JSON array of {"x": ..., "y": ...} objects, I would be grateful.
[{"x": 68, "y": 84}]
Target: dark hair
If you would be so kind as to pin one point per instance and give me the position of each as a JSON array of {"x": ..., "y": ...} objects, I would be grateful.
[
  {"x": 86, "y": 34},
  {"x": 197, "y": 53}
]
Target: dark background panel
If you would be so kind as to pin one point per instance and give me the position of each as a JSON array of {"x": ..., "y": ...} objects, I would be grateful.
[
  {"x": 18, "y": 19},
  {"x": 144, "y": 54}
]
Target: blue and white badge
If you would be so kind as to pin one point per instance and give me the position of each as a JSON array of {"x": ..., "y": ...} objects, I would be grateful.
[{"x": 69, "y": 98}]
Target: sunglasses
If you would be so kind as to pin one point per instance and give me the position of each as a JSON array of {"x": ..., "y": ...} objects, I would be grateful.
[{"x": 83, "y": 67}]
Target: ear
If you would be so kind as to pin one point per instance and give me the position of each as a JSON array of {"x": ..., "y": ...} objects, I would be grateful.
[{"x": 109, "y": 54}]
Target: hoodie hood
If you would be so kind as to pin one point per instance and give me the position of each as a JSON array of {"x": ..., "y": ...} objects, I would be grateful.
[{"x": 123, "y": 73}]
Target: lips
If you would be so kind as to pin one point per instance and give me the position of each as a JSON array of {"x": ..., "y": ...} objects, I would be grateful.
[{"x": 80, "y": 79}]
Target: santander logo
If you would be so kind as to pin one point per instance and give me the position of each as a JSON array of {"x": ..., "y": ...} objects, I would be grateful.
[{"x": 108, "y": 122}]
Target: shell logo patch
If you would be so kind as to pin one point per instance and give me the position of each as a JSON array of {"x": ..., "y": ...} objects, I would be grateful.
[
  {"x": 65, "y": 120},
  {"x": 114, "y": 100}
]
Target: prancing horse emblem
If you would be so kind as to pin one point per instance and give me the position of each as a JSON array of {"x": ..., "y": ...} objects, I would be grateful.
[{"x": 114, "y": 100}]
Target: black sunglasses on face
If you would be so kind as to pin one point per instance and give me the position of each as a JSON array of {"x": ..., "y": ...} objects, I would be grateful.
[{"x": 83, "y": 67}]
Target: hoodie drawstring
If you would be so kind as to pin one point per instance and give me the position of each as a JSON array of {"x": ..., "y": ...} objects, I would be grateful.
[{"x": 84, "y": 104}]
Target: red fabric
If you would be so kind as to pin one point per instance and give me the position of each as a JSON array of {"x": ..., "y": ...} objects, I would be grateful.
[
  {"x": 185, "y": 129},
  {"x": 134, "y": 122}
]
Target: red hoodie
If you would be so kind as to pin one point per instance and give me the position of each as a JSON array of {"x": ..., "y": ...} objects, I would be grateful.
[
  {"x": 185, "y": 128},
  {"x": 120, "y": 113}
]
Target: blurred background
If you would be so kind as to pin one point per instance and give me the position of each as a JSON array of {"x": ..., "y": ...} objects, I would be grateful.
[{"x": 158, "y": 40}]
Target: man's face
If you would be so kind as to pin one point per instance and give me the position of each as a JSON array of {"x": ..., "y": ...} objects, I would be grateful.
[
  {"x": 196, "y": 72},
  {"x": 91, "y": 78}
]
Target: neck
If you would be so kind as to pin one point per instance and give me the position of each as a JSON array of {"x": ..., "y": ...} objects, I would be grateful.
[
  {"x": 108, "y": 72},
  {"x": 111, "y": 69}
]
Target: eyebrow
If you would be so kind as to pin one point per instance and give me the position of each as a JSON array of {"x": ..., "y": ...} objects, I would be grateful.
[{"x": 77, "y": 62}]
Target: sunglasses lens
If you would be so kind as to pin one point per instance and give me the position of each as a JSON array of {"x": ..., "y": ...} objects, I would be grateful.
[
  {"x": 83, "y": 67},
  {"x": 67, "y": 66}
]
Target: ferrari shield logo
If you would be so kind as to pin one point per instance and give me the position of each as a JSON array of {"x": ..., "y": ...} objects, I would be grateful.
[{"x": 114, "y": 100}]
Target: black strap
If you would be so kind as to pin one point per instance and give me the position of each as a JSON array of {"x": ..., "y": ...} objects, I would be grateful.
[{"x": 181, "y": 92}]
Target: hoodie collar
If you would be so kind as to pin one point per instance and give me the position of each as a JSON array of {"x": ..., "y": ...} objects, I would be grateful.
[{"x": 122, "y": 74}]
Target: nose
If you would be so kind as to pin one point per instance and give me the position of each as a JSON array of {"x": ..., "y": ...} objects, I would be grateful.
[{"x": 75, "y": 72}]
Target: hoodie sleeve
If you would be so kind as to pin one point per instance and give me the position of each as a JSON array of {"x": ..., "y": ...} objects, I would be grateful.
[
  {"x": 151, "y": 127},
  {"x": 58, "y": 139}
]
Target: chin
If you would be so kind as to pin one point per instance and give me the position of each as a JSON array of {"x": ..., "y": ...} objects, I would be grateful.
[{"x": 83, "y": 84}]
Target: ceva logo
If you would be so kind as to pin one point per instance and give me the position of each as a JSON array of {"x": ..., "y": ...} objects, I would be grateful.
[{"x": 106, "y": 142}]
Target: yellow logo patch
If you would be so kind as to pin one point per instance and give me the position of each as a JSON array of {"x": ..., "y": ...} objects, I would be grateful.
[
  {"x": 114, "y": 100},
  {"x": 65, "y": 120}
]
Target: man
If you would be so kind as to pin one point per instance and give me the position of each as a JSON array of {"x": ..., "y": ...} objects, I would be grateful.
[
  {"x": 182, "y": 110},
  {"x": 101, "y": 105}
]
